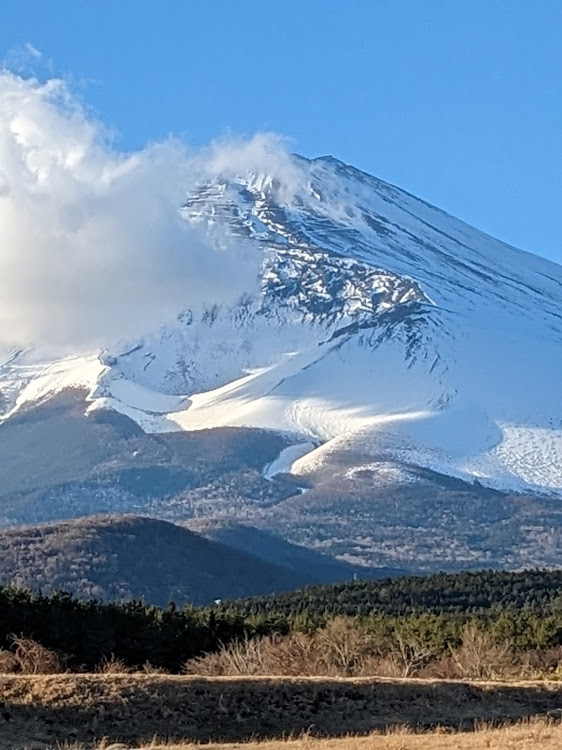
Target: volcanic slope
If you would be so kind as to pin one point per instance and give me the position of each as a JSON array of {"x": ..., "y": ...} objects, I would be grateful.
[{"x": 383, "y": 327}]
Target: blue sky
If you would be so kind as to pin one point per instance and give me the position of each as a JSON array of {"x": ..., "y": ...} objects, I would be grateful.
[{"x": 457, "y": 101}]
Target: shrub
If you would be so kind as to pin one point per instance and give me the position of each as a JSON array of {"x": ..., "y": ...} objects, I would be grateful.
[
  {"x": 33, "y": 658},
  {"x": 8, "y": 662},
  {"x": 113, "y": 665},
  {"x": 481, "y": 657}
]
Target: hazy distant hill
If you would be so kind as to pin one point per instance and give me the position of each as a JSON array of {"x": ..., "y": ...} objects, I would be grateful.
[{"x": 274, "y": 549}]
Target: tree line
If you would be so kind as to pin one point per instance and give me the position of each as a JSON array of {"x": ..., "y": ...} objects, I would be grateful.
[{"x": 425, "y": 614}]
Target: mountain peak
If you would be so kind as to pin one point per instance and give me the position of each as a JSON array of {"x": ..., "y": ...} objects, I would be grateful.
[{"x": 381, "y": 325}]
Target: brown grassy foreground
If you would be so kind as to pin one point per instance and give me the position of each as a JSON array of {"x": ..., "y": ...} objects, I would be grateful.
[
  {"x": 43, "y": 710},
  {"x": 528, "y": 735}
]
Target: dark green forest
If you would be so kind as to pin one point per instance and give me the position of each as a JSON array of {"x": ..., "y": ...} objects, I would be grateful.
[
  {"x": 487, "y": 593},
  {"x": 524, "y": 608}
]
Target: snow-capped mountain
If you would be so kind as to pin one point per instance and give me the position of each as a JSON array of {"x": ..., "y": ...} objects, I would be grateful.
[{"x": 382, "y": 327}]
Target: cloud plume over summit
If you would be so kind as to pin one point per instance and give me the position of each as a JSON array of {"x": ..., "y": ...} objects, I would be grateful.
[{"x": 92, "y": 244}]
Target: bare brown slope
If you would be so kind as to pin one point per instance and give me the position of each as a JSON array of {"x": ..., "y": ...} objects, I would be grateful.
[
  {"x": 125, "y": 557},
  {"x": 57, "y": 463}
]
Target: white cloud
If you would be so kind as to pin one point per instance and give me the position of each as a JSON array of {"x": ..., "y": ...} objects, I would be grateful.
[
  {"x": 264, "y": 157},
  {"x": 92, "y": 245}
]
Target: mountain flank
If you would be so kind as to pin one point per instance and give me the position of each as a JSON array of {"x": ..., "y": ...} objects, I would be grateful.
[
  {"x": 387, "y": 393},
  {"x": 56, "y": 462}
]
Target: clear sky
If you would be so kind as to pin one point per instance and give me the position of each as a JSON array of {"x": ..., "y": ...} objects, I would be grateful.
[{"x": 457, "y": 101}]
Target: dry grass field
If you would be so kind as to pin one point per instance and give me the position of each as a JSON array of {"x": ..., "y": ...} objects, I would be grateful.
[
  {"x": 528, "y": 735},
  {"x": 81, "y": 710}
]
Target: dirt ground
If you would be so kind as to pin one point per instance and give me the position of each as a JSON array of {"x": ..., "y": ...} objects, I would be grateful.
[{"x": 81, "y": 709}]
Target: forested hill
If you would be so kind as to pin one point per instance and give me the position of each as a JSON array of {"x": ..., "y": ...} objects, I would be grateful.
[
  {"x": 118, "y": 558},
  {"x": 486, "y": 592}
]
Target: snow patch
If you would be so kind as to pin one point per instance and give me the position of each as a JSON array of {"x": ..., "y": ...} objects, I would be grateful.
[
  {"x": 285, "y": 460},
  {"x": 29, "y": 379}
]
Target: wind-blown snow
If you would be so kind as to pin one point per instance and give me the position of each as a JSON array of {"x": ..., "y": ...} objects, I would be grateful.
[{"x": 382, "y": 326}]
